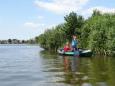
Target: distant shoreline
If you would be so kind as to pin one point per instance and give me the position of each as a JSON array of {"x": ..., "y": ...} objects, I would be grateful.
[
  {"x": 19, "y": 44},
  {"x": 17, "y": 41}
]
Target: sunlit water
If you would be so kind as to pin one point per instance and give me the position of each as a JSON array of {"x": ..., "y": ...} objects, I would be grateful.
[{"x": 26, "y": 65}]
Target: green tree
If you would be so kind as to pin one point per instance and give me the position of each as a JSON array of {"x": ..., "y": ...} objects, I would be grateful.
[{"x": 72, "y": 23}]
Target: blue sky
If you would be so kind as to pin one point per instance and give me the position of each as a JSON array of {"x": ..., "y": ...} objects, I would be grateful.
[{"x": 25, "y": 19}]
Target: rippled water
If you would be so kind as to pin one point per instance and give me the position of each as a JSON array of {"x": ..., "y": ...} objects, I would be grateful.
[{"x": 26, "y": 65}]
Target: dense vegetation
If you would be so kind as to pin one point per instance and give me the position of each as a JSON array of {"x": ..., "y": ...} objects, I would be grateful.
[{"x": 96, "y": 33}]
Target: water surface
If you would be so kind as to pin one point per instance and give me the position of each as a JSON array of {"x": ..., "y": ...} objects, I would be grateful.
[{"x": 26, "y": 65}]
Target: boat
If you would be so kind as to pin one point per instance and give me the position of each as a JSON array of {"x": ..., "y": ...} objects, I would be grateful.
[{"x": 80, "y": 52}]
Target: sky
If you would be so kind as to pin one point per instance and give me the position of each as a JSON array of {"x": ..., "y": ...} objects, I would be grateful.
[{"x": 26, "y": 19}]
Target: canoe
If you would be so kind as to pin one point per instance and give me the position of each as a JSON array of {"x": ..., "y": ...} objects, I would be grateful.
[{"x": 80, "y": 52}]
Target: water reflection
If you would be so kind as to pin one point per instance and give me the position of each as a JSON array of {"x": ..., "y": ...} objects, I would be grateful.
[
  {"x": 102, "y": 71},
  {"x": 74, "y": 63},
  {"x": 97, "y": 71},
  {"x": 66, "y": 64},
  {"x": 31, "y": 66},
  {"x": 70, "y": 63},
  {"x": 71, "y": 68},
  {"x": 111, "y": 71},
  {"x": 76, "y": 71}
]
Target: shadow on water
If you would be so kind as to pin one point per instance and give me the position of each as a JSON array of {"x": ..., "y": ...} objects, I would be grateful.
[{"x": 76, "y": 71}]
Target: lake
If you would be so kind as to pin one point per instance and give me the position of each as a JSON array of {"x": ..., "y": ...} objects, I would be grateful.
[{"x": 30, "y": 65}]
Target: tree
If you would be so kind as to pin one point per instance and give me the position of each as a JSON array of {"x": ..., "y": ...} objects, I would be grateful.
[
  {"x": 72, "y": 23},
  {"x": 96, "y": 13},
  {"x": 9, "y": 41}
]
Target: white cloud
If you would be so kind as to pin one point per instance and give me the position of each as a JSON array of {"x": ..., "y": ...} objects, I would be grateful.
[
  {"x": 66, "y": 6},
  {"x": 102, "y": 9},
  {"x": 87, "y": 12},
  {"x": 33, "y": 25},
  {"x": 62, "y": 6}
]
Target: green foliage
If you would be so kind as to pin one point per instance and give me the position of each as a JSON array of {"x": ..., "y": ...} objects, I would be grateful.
[
  {"x": 52, "y": 39},
  {"x": 96, "y": 33},
  {"x": 72, "y": 23},
  {"x": 96, "y": 13}
]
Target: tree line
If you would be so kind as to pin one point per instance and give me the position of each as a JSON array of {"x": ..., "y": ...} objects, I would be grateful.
[
  {"x": 96, "y": 33},
  {"x": 17, "y": 41}
]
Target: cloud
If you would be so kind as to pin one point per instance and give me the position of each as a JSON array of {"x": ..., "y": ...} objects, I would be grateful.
[
  {"x": 62, "y": 6},
  {"x": 33, "y": 25},
  {"x": 87, "y": 12},
  {"x": 66, "y": 6},
  {"x": 102, "y": 9}
]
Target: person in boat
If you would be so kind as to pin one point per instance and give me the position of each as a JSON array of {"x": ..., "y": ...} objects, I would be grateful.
[
  {"x": 67, "y": 47},
  {"x": 74, "y": 43}
]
